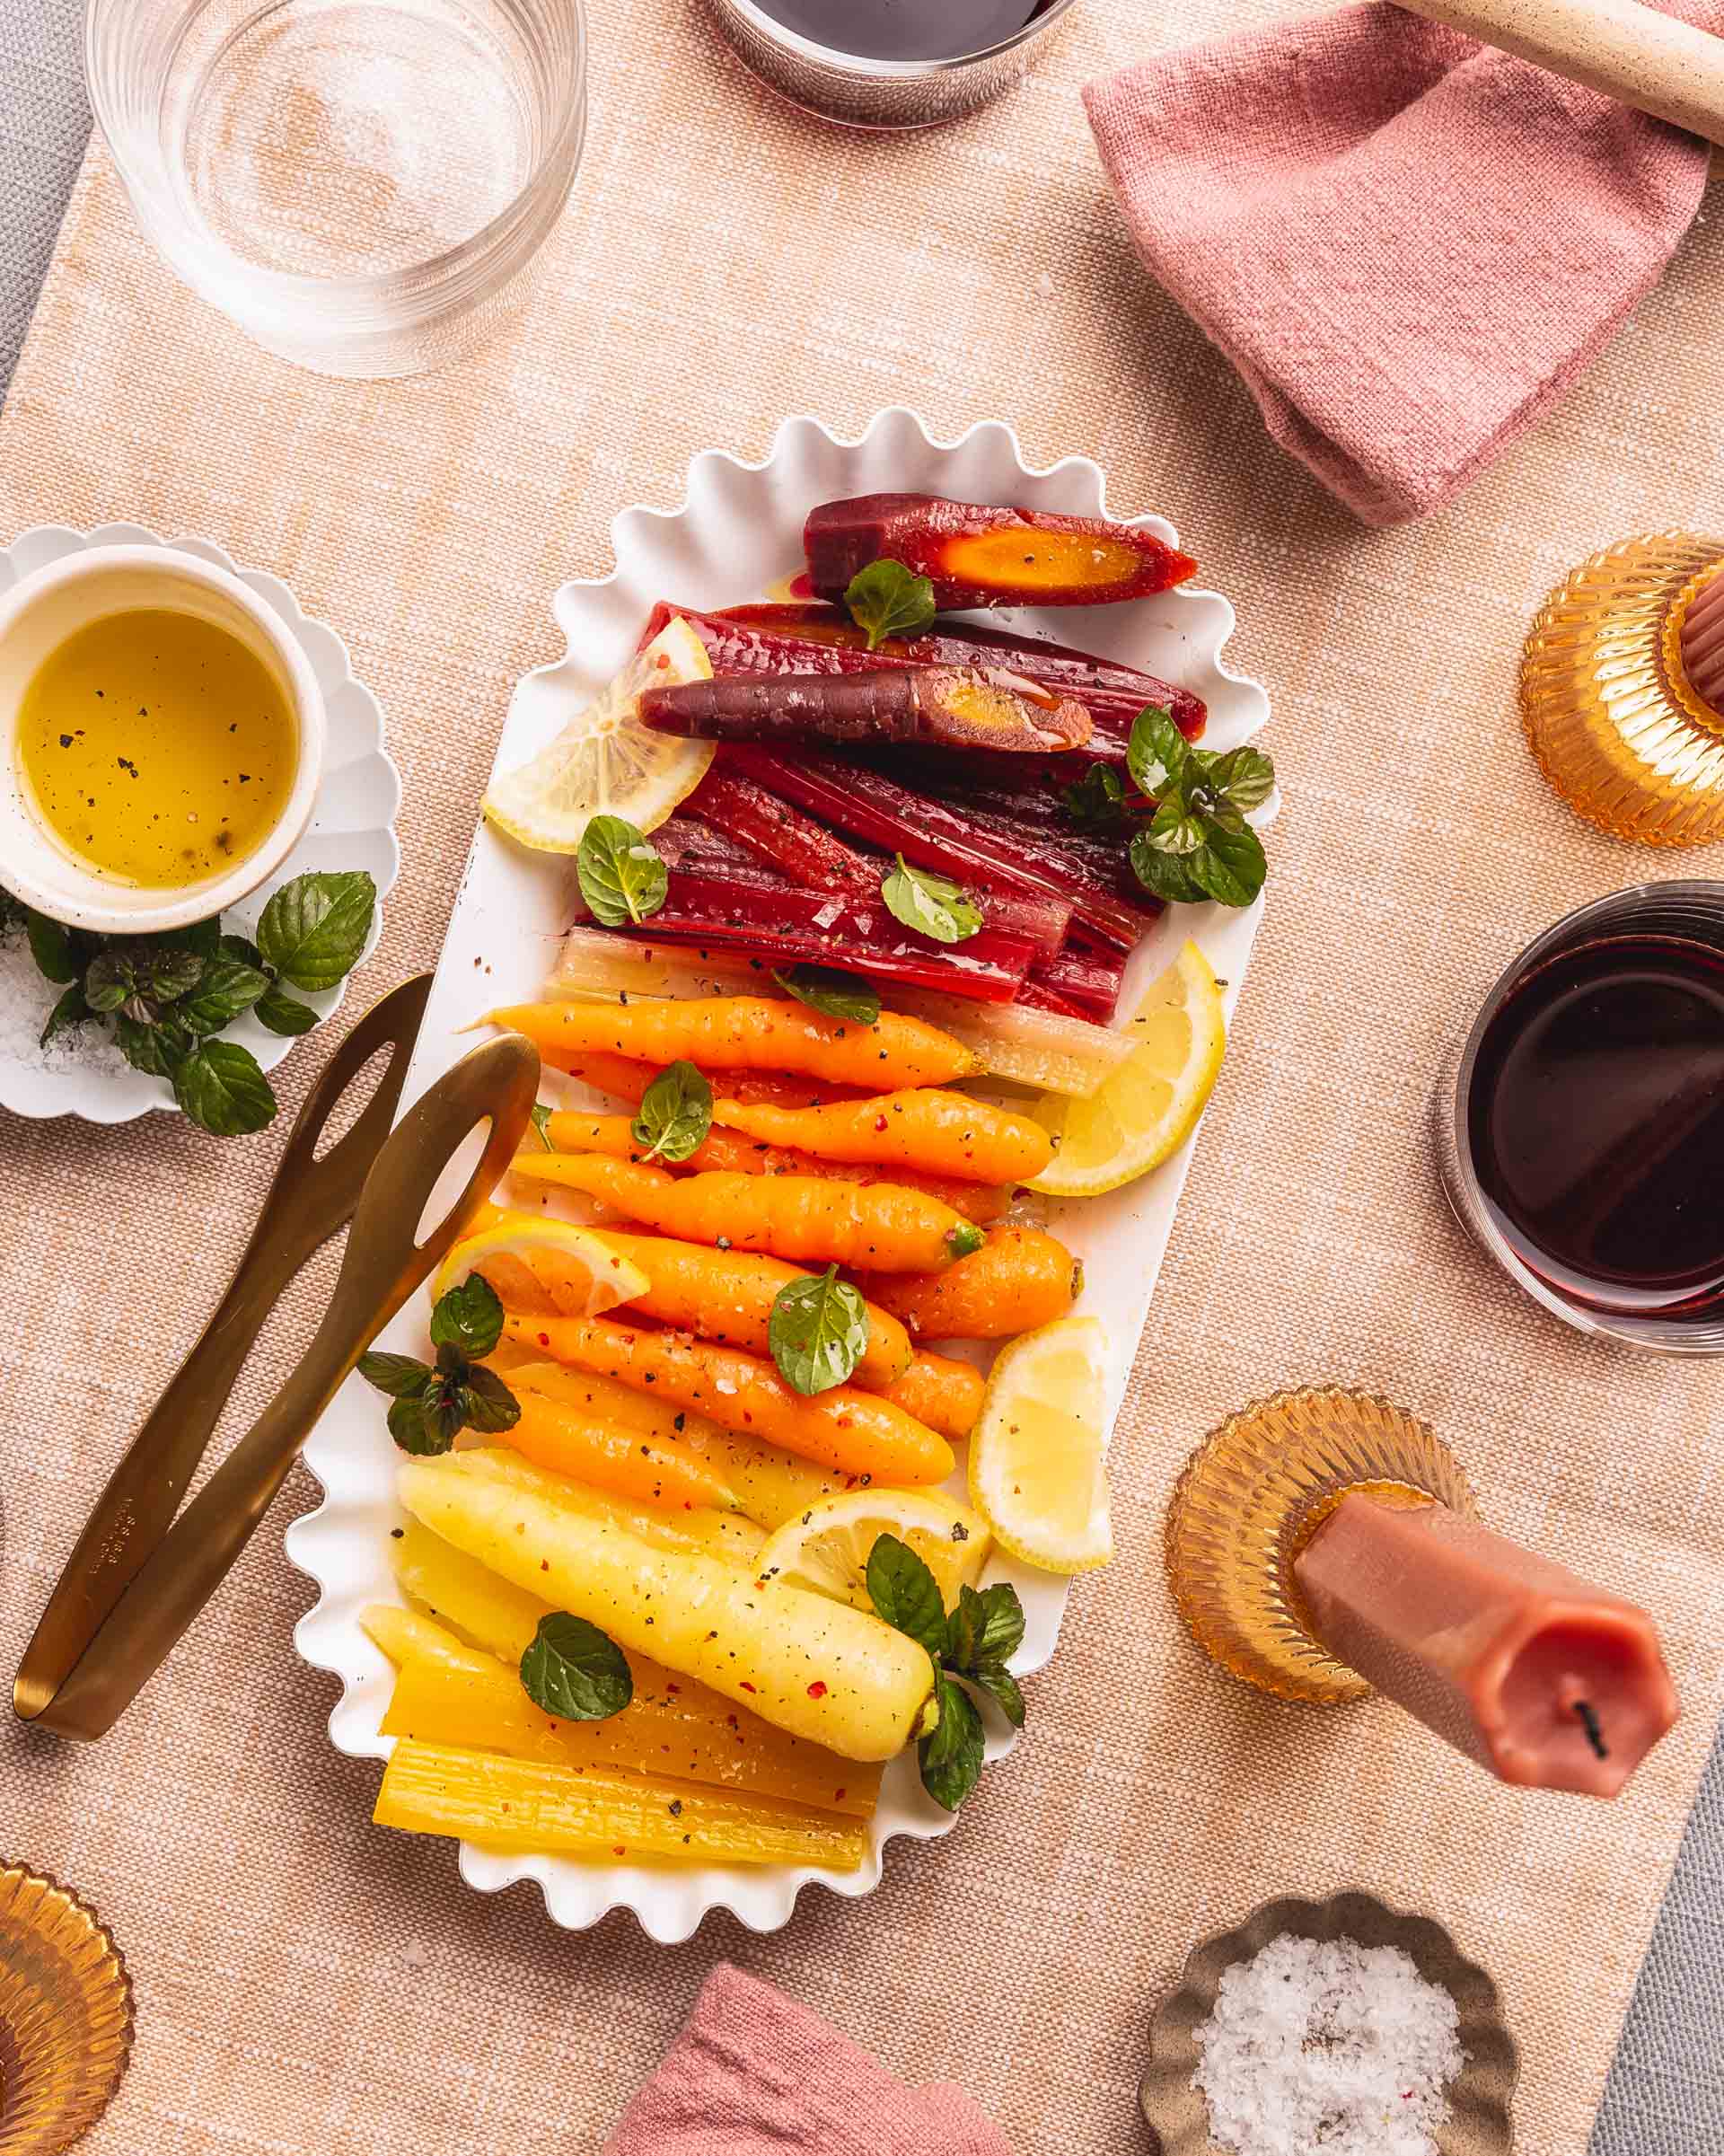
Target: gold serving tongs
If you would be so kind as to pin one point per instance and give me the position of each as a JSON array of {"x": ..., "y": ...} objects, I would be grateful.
[{"x": 99, "y": 1642}]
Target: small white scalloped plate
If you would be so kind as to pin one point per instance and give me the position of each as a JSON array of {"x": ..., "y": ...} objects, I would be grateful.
[
  {"x": 737, "y": 531},
  {"x": 352, "y": 826}
]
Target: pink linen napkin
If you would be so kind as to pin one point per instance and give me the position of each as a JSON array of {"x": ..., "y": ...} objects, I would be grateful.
[
  {"x": 1407, "y": 243},
  {"x": 755, "y": 2074}
]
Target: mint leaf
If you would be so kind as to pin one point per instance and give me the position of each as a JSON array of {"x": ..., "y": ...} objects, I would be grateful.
[
  {"x": 1167, "y": 875},
  {"x": 1243, "y": 776},
  {"x": 573, "y": 1671},
  {"x": 840, "y": 995},
  {"x": 398, "y": 1376},
  {"x": 313, "y": 929},
  {"x": 1158, "y": 753},
  {"x": 140, "y": 977},
  {"x": 887, "y": 600},
  {"x": 1001, "y": 1687},
  {"x": 932, "y": 905},
  {"x": 486, "y": 1403},
  {"x": 950, "y": 1756},
  {"x": 986, "y": 1627},
  {"x": 158, "y": 1047},
  {"x": 1098, "y": 800},
  {"x": 817, "y": 1330},
  {"x": 237, "y": 946},
  {"x": 621, "y": 876},
  {"x": 1175, "y": 827},
  {"x": 413, "y": 1428},
  {"x": 675, "y": 1113},
  {"x": 469, "y": 1318},
  {"x": 220, "y": 1087},
  {"x": 906, "y": 1594},
  {"x": 539, "y": 1115},
  {"x": 70, "y": 1009},
  {"x": 50, "y": 945},
  {"x": 1229, "y": 863},
  {"x": 228, "y": 988},
  {"x": 281, "y": 1013}
]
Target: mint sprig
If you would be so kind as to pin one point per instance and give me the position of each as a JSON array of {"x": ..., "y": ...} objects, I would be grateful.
[
  {"x": 1197, "y": 843},
  {"x": 168, "y": 997},
  {"x": 621, "y": 874},
  {"x": 675, "y": 1113},
  {"x": 932, "y": 905},
  {"x": 970, "y": 1646},
  {"x": 573, "y": 1671},
  {"x": 431, "y": 1404}
]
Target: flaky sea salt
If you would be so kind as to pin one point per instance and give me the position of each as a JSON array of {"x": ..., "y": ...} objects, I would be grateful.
[
  {"x": 25, "y": 1002},
  {"x": 1325, "y": 2047}
]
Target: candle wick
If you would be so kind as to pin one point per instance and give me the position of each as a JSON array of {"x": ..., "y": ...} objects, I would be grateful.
[{"x": 1589, "y": 1722}]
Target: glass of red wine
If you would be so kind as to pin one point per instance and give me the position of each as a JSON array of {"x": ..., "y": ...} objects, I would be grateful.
[
  {"x": 890, "y": 63},
  {"x": 1581, "y": 1131}
]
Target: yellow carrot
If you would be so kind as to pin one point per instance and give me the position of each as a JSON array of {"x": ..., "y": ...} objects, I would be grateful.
[
  {"x": 462, "y": 1596},
  {"x": 406, "y": 1636},
  {"x": 881, "y": 1225},
  {"x": 746, "y": 1032},
  {"x": 726, "y": 1534},
  {"x": 773, "y": 1484},
  {"x": 814, "y": 1667},
  {"x": 1020, "y": 1278},
  {"x": 943, "y": 1392},
  {"x": 926, "y": 1129},
  {"x": 727, "y": 1296},
  {"x": 673, "y": 1726},
  {"x": 857, "y": 1432},
  {"x": 525, "y": 1804},
  {"x": 570, "y": 1130},
  {"x": 657, "y": 1472}
]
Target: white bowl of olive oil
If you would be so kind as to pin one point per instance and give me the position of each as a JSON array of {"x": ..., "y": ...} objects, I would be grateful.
[{"x": 164, "y": 737}]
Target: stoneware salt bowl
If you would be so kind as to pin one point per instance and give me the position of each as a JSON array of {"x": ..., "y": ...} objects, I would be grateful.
[{"x": 1480, "y": 2117}]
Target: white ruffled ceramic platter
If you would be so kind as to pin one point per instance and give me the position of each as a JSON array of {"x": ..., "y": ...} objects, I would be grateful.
[
  {"x": 352, "y": 826},
  {"x": 738, "y": 530}
]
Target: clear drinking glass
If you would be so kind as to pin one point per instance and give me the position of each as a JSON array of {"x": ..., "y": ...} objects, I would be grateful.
[
  {"x": 1686, "y": 912},
  {"x": 360, "y": 184}
]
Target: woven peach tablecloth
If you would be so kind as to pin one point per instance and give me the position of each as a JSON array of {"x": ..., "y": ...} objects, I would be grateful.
[{"x": 308, "y": 1983}]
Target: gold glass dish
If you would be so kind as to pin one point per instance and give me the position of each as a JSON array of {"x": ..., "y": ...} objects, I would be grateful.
[
  {"x": 65, "y": 2015},
  {"x": 1481, "y": 2120},
  {"x": 1610, "y": 710},
  {"x": 1252, "y": 1496}
]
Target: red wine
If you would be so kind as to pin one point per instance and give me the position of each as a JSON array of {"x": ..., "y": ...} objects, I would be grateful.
[
  {"x": 904, "y": 30},
  {"x": 1596, "y": 1116}
]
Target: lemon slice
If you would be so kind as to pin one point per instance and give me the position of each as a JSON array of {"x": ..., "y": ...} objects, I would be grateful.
[
  {"x": 1150, "y": 1105},
  {"x": 1036, "y": 1455},
  {"x": 545, "y": 1267},
  {"x": 606, "y": 763},
  {"x": 826, "y": 1547}
]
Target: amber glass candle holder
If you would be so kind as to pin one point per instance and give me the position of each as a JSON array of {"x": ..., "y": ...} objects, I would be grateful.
[
  {"x": 65, "y": 2015},
  {"x": 1253, "y": 1494},
  {"x": 1622, "y": 689}
]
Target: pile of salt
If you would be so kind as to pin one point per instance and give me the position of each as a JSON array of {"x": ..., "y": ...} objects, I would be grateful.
[{"x": 1325, "y": 2045}]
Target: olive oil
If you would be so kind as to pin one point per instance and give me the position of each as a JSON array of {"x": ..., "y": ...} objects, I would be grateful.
[{"x": 157, "y": 747}]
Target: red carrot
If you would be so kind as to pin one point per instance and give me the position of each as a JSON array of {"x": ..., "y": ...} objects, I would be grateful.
[{"x": 967, "y": 708}]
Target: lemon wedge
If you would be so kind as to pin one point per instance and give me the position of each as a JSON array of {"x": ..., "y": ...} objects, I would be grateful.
[
  {"x": 1036, "y": 1474},
  {"x": 1149, "y": 1106},
  {"x": 545, "y": 1267},
  {"x": 604, "y": 761},
  {"x": 826, "y": 1546}
]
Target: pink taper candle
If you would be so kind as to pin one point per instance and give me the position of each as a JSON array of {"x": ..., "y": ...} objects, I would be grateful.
[{"x": 1546, "y": 1680}]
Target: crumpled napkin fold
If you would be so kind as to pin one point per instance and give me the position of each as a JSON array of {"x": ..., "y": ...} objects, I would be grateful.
[
  {"x": 754, "y": 2073},
  {"x": 1408, "y": 243}
]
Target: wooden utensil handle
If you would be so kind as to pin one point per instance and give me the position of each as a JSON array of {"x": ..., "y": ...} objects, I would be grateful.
[{"x": 1647, "y": 60}]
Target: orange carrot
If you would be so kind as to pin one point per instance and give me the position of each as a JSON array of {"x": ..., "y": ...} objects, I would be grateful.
[
  {"x": 746, "y": 1033},
  {"x": 940, "y": 1391},
  {"x": 1021, "y": 1277},
  {"x": 856, "y": 1433},
  {"x": 588, "y": 1450},
  {"x": 572, "y": 1131},
  {"x": 727, "y": 1295},
  {"x": 927, "y": 1128},
  {"x": 802, "y": 1218},
  {"x": 628, "y": 1080}
]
